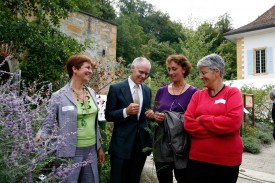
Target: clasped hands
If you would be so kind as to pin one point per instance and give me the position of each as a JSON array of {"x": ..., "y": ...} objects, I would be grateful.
[
  {"x": 133, "y": 109},
  {"x": 157, "y": 116}
]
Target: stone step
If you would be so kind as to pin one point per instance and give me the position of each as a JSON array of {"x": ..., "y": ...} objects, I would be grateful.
[{"x": 257, "y": 176}]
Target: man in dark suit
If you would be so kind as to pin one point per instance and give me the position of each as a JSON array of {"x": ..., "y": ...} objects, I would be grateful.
[{"x": 129, "y": 133}]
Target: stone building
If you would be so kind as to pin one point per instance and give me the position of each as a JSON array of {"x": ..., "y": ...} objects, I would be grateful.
[{"x": 99, "y": 33}]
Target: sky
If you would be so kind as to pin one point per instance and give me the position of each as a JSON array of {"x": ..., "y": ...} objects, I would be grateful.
[{"x": 194, "y": 12}]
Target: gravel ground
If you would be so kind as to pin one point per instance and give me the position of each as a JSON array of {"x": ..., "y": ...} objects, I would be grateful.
[{"x": 262, "y": 162}]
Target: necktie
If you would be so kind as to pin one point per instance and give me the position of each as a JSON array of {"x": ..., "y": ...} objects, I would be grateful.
[{"x": 136, "y": 96}]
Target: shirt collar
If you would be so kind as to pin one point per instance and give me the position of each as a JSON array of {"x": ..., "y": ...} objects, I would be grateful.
[{"x": 131, "y": 83}]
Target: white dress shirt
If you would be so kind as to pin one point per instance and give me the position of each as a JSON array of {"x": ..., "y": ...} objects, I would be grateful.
[{"x": 132, "y": 85}]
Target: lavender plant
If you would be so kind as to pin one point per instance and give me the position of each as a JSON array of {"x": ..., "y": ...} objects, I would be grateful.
[
  {"x": 22, "y": 112},
  {"x": 22, "y": 159}
]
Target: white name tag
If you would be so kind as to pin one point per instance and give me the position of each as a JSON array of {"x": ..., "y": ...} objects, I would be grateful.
[
  {"x": 68, "y": 108},
  {"x": 220, "y": 101}
]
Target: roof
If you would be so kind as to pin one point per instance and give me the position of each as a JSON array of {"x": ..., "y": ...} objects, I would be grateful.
[
  {"x": 102, "y": 19},
  {"x": 266, "y": 20}
]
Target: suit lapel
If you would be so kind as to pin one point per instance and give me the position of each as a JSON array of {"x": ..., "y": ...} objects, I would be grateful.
[
  {"x": 126, "y": 92},
  {"x": 93, "y": 97},
  {"x": 144, "y": 93},
  {"x": 68, "y": 93}
]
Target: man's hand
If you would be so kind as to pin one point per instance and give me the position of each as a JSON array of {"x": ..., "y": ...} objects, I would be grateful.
[{"x": 132, "y": 109}]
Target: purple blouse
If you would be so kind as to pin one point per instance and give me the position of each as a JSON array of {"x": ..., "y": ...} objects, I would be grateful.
[{"x": 164, "y": 101}]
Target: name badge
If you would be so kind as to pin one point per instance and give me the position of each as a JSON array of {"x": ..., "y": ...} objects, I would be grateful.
[
  {"x": 222, "y": 101},
  {"x": 68, "y": 108}
]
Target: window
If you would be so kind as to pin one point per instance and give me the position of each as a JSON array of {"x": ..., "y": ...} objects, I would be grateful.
[{"x": 260, "y": 60}]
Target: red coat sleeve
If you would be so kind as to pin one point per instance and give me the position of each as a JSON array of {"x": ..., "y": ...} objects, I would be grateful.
[
  {"x": 230, "y": 120},
  {"x": 191, "y": 125}
]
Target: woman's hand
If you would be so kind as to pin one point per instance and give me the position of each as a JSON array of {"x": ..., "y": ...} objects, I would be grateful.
[
  {"x": 101, "y": 156},
  {"x": 150, "y": 114},
  {"x": 159, "y": 117}
]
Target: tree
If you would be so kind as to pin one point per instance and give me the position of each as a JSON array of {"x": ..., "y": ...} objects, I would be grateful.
[
  {"x": 207, "y": 39},
  {"x": 155, "y": 24},
  {"x": 156, "y": 28},
  {"x": 32, "y": 27},
  {"x": 157, "y": 51},
  {"x": 100, "y": 8},
  {"x": 130, "y": 38},
  {"x": 228, "y": 51},
  {"x": 226, "y": 48},
  {"x": 158, "y": 25}
]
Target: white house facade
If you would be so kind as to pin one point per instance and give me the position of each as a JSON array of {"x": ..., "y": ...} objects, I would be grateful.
[{"x": 256, "y": 50}]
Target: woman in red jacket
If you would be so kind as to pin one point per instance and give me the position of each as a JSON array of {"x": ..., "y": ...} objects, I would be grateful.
[{"x": 213, "y": 119}]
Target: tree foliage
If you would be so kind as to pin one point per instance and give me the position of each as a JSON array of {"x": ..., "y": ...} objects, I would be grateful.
[
  {"x": 157, "y": 51},
  {"x": 130, "y": 37},
  {"x": 154, "y": 24},
  {"x": 206, "y": 39},
  {"x": 32, "y": 27},
  {"x": 142, "y": 30},
  {"x": 100, "y": 8}
]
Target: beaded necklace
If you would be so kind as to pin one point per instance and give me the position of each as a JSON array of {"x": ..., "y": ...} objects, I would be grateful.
[{"x": 84, "y": 104}]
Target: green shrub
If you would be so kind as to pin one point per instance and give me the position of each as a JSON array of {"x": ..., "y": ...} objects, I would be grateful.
[
  {"x": 264, "y": 137},
  {"x": 251, "y": 144},
  {"x": 248, "y": 130},
  {"x": 105, "y": 168}
]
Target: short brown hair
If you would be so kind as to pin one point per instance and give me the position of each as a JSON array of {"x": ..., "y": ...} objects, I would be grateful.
[
  {"x": 77, "y": 61},
  {"x": 182, "y": 61}
]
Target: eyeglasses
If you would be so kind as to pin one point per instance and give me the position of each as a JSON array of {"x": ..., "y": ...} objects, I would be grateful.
[{"x": 202, "y": 73}]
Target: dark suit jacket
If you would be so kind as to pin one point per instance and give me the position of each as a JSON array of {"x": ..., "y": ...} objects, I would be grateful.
[{"x": 125, "y": 130}]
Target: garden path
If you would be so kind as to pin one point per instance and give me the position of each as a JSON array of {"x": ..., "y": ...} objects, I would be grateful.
[{"x": 255, "y": 168}]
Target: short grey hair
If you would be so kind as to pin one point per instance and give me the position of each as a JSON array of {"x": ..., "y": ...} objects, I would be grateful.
[
  {"x": 272, "y": 94},
  {"x": 138, "y": 60},
  {"x": 213, "y": 61}
]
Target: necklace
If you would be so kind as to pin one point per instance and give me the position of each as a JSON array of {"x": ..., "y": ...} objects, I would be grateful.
[
  {"x": 180, "y": 90},
  {"x": 78, "y": 94},
  {"x": 84, "y": 104},
  {"x": 175, "y": 101}
]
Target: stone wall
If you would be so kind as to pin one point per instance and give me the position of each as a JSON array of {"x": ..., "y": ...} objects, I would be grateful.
[
  {"x": 99, "y": 33},
  {"x": 240, "y": 58}
]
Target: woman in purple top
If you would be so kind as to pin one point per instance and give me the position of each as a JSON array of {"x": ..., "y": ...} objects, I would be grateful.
[{"x": 173, "y": 97}]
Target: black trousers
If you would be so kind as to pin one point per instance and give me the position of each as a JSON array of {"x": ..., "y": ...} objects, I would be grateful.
[
  {"x": 128, "y": 170},
  {"x": 165, "y": 172},
  {"x": 201, "y": 172}
]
